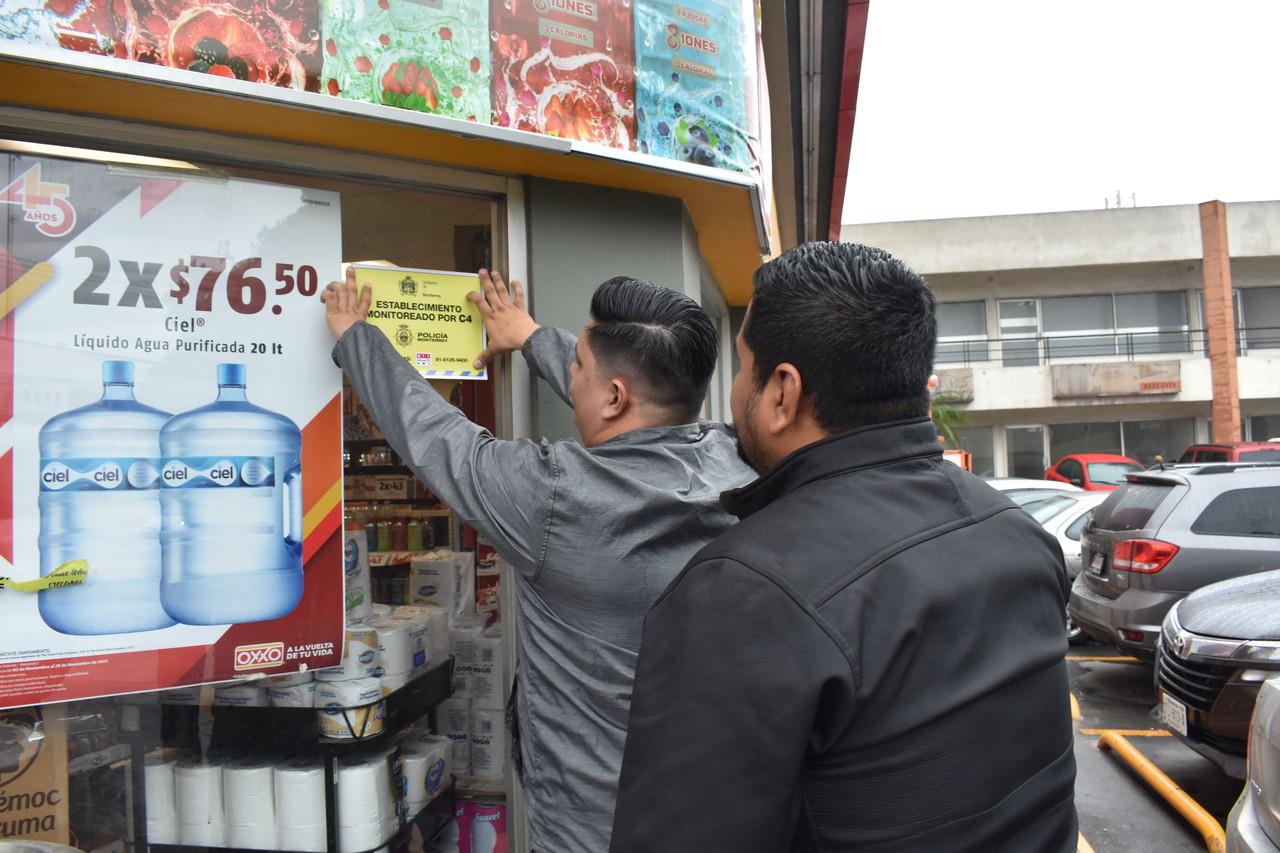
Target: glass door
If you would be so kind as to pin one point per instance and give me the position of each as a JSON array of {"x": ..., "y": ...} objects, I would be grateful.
[{"x": 1024, "y": 451}]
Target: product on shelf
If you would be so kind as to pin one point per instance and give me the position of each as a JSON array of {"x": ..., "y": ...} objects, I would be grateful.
[
  {"x": 300, "y": 804},
  {"x": 100, "y": 502},
  {"x": 201, "y": 816},
  {"x": 231, "y": 463},
  {"x": 360, "y": 659},
  {"x": 359, "y": 593},
  {"x": 248, "y": 787},
  {"x": 482, "y": 827},
  {"x": 466, "y": 632},
  {"x": 453, "y": 719},
  {"x": 350, "y": 709},
  {"x": 427, "y": 766},
  {"x": 367, "y": 809},
  {"x": 161, "y": 799},
  {"x": 483, "y": 660},
  {"x": 444, "y": 578},
  {"x": 488, "y": 744},
  {"x": 292, "y": 695},
  {"x": 241, "y": 695}
]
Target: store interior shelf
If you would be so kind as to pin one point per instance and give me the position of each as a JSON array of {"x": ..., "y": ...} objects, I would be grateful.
[{"x": 101, "y": 758}]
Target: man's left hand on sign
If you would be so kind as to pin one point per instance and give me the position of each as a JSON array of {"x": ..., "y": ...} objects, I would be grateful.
[
  {"x": 506, "y": 322},
  {"x": 345, "y": 304}
]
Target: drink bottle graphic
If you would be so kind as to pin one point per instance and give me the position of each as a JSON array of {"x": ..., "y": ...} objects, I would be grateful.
[
  {"x": 100, "y": 502},
  {"x": 232, "y": 510}
]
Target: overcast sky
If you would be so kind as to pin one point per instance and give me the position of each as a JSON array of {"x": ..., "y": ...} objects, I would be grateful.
[{"x": 1015, "y": 106}]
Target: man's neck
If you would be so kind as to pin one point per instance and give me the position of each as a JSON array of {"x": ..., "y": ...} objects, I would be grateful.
[{"x": 632, "y": 423}]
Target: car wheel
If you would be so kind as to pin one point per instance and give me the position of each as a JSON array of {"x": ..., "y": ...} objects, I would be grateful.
[{"x": 1075, "y": 634}]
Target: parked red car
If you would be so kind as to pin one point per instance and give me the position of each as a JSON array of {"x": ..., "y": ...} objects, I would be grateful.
[
  {"x": 1236, "y": 451},
  {"x": 1094, "y": 472}
]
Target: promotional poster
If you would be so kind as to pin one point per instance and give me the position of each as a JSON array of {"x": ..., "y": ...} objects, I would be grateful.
[
  {"x": 691, "y": 81},
  {"x": 565, "y": 68},
  {"x": 426, "y": 55},
  {"x": 170, "y": 479},
  {"x": 428, "y": 319}
]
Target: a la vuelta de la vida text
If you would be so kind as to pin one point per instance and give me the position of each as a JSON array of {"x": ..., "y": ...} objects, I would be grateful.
[{"x": 175, "y": 334}]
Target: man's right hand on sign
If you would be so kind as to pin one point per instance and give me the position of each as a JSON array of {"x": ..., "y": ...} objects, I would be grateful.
[
  {"x": 506, "y": 323},
  {"x": 344, "y": 304}
]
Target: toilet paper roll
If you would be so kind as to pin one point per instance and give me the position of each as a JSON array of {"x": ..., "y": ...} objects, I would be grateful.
[
  {"x": 425, "y": 769},
  {"x": 437, "y": 638},
  {"x": 158, "y": 784},
  {"x": 350, "y": 709},
  {"x": 241, "y": 695},
  {"x": 453, "y": 718},
  {"x": 198, "y": 787},
  {"x": 249, "y": 795},
  {"x": 487, "y": 671},
  {"x": 359, "y": 591},
  {"x": 203, "y": 834},
  {"x": 309, "y": 839},
  {"x": 353, "y": 839},
  {"x": 295, "y": 696},
  {"x": 256, "y": 837},
  {"x": 300, "y": 798},
  {"x": 380, "y": 610},
  {"x": 363, "y": 790},
  {"x": 488, "y": 744},
  {"x": 360, "y": 660},
  {"x": 393, "y": 682},
  {"x": 293, "y": 679},
  {"x": 395, "y": 645},
  {"x": 162, "y": 831}
]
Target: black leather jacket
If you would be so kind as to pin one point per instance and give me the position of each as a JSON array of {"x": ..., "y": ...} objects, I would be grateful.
[{"x": 872, "y": 660}]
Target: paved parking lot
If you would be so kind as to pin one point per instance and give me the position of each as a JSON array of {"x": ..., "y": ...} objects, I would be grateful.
[{"x": 1118, "y": 812}]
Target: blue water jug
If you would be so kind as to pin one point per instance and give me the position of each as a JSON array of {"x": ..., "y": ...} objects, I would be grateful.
[
  {"x": 100, "y": 502},
  {"x": 232, "y": 510}
]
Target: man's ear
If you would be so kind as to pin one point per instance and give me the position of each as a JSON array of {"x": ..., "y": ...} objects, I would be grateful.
[
  {"x": 784, "y": 396},
  {"x": 618, "y": 400}
]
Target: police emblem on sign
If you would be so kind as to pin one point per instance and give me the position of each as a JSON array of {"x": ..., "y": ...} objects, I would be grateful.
[
  {"x": 404, "y": 336},
  {"x": 408, "y": 287}
]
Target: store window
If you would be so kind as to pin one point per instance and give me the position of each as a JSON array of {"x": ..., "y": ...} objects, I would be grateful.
[
  {"x": 199, "y": 274},
  {"x": 962, "y": 332},
  {"x": 1145, "y": 440},
  {"x": 980, "y": 443},
  {"x": 1264, "y": 427},
  {"x": 1024, "y": 452},
  {"x": 1260, "y": 317},
  {"x": 1068, "y": 439},
  {"x": 1019, "y": 326}
]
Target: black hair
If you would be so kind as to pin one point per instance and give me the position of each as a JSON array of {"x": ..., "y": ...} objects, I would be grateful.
[
  {"x": 657, "y": 336},
  {"x": 857, "y": 323}
]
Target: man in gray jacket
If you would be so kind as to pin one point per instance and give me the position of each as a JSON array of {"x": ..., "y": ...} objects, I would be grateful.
[{"x": 595, "y": 530}]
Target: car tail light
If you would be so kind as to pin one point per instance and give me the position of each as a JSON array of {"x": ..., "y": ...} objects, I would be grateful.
[{"x": 1147, "y": 556}]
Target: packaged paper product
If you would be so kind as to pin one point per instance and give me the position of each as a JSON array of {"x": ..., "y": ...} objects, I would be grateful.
[
  {"x": 565, "y": 69},
  {"x": 486, "y": 674},
  {"x": 488, "y": 744},
  {"x": 437, "y": 641},
  {"x": 453, "y": 719},
  {"x": 395, "y": 645},
  {"x": 358, "y": 587},
  {"x": 291, "y": 680},
  {"x": 465, "y": 634},
  {"x": 691, "y": 81},
  {"x": 489, "y": 568},
  {"x": 426, "y": 55},
  {"x": 444, "y": 578},
  {"x": 482, "y": 827},
  {"x": 293, "y": 696},
  {"x": 349, "y": 709},
  {"x": 360, "y": 659},
  {"x": 241, "y": 695}
]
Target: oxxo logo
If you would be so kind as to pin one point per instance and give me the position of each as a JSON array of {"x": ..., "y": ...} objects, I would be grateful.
[{"x": 259, "y": 656}]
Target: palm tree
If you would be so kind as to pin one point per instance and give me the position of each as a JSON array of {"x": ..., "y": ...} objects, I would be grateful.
[{"x": 947, "y": 418}]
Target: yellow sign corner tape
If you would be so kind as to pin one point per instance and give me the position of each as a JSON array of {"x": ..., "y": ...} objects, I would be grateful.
[{"x": 71, "y": 573}]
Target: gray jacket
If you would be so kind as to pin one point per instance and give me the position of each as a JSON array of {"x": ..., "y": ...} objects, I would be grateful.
[{"x": 594, "y": 534}]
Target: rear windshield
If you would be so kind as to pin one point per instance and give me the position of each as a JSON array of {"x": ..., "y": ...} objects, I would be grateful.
[
  {"x": 1111, "y": 473},
  {"x": 1267, "y": 455},
  {"x": 1243, "y": 512},
  {"x": 1046, "y": 508},
  {"x": 1131, "y": 506}
]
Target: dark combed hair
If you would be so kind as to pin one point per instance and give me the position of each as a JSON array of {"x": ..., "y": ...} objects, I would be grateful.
[
  {"x": 857, "y": 323},
  {"x": 657, "y": 336}
]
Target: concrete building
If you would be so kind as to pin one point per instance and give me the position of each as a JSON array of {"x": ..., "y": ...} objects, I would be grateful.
[{"x": 1087, "y": 331}]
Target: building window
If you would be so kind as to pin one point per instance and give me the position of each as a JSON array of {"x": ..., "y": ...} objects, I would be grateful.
[
  {"x": 1085, "y": 325},
  {"x": 1067, "y": 439},
  {"x": 1145, "y": 440},
  {"x": 1260, "y": 317},
  {"x": 1024, "y": 452},
  {"x": 1264, "y": 427},
  {"x": 962, "y": 332},
  {"x": 1019, "y": 327},
  {"x": 1152, "y": 323},
  {"x": 980, "y": 442}
]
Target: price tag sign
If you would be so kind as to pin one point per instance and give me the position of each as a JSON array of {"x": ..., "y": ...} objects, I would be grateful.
[
  {"x": 171, "y": 429},
  {"x": 428, "y": 319}
]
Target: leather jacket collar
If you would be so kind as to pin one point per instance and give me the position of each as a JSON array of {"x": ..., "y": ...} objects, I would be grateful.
[{"x": 859, "y": 448}]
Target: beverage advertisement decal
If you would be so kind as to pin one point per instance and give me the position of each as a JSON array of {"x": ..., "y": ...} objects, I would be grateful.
[
  {"x": 428, "y": 319},
  {"x": 170, "y": 470},
  {"x": 565, "y": 68},
  {"x": 691, "y": 81}
]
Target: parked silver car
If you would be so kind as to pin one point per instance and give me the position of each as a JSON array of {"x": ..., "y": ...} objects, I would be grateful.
[
  {"x": 1166, "y": 533},
  {"x": 1254, "y": 826}
]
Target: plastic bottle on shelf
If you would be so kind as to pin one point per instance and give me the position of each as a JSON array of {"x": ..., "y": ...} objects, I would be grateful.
[
  {"x": 371, "y": 534},
  {"x": 384, "y": 535},
  {"x": 414, "y": 529},
  {"x": 100, "y": 502},
  {"x": 232, "y": 500},
  {"x": 399, "y": 535}
]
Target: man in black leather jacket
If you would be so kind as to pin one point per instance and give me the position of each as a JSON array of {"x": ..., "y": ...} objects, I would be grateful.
[{"x": 873, "y": 658}]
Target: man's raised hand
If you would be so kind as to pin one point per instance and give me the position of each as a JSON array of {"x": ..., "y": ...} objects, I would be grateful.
[
  {"x": 344, "y": 304},
  {"x": 506, "y": 322}
]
